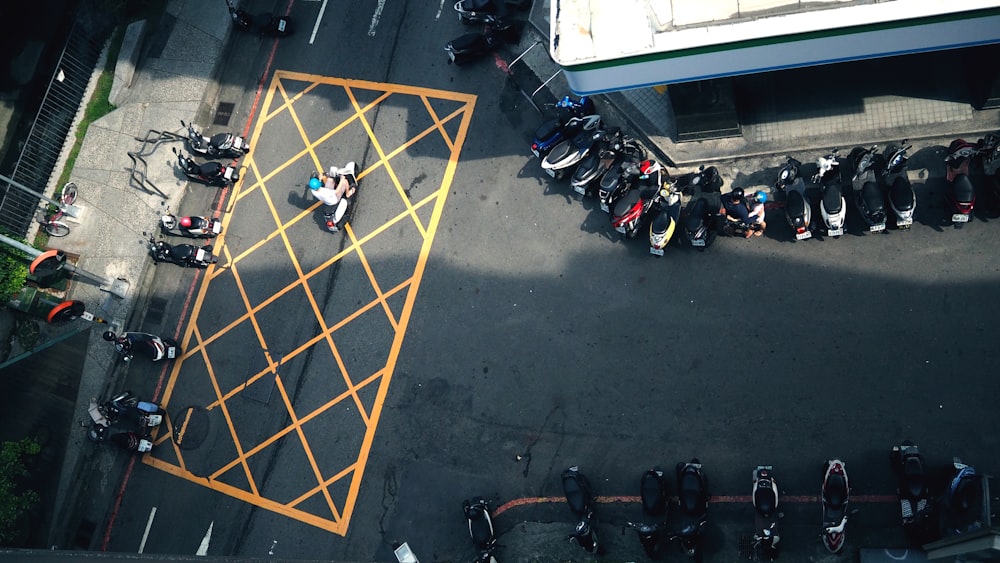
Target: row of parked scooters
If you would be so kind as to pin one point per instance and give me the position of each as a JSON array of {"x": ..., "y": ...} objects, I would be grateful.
[
  {"x": 635, "y": 190},
  {"x": 926, "y": 514}
]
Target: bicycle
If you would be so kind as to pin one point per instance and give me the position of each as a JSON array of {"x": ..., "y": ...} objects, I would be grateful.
[{"x": 51, "y": 221}]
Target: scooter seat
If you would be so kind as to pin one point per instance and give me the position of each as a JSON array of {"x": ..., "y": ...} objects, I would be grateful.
[
  {"x": 964, "y": 192},
  {"x": 832, "y": 199},
  {"x": 835, "y": 492},
  {"x": 586, "y": 166},
  {"x": 690, "y": 493},
  {"x": 913, "y": 477},
  {"x": 559, "y": 152},
  {"x": 548, "y": 129},
  {"x": 795, "y": 206},
  {"x": 627, "y": 202},
  {"x": 478, "y": 5},
  {"x": 696, "y": 215},
  {"x": 468, "y": 42},
  {"x": 661, "y": 223},
  {"x": 763, "y": 499},
  {"x": 222, "y": 140},
  {"x": 210, "y": 169},
  {"x": 872, "y": 197},
  {"x": 901, "y": 194}
]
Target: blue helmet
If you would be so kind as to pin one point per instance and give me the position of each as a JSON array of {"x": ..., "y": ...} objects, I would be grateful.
[
  {"x": 314, "y": 183},
  {"x": 760, "y": 197}
]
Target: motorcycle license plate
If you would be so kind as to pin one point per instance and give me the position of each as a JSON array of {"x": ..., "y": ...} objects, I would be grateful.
[
  {"x": 835, "y": 232},
  {"x": 171, "y": 352},
  {"x": 216, "y": 227},
  {"x": 281, "y": 25},
  {"x": 604, "y": 207},
  {"x": 228, "y": 173},
  {"x": 904, "y": 223},
  {"x": 536, "y": 153},
  {"x": 655, "y": 251},
  {"x": 960, "y": 218},
  {"x": 877, "y": 228},
  {"x": 551, "y": 172},
  {"x": 200, "y": 255},
  {"x": 238, "y": 143},
  {"x": 803, "y": 236},
  {"x": 580, "y": 189},
  {"x": 698, "y": 242},
  {"x": 451, "y": 55},
  {"x": 620, "y": 229}
]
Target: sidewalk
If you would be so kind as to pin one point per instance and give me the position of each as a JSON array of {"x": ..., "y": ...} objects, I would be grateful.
[{"x": 178, "y": 59}]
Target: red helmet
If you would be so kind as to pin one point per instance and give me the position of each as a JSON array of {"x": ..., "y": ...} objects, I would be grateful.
[
  {"x": 647, "y": 166},
  {"x": 186, "y": 222}
]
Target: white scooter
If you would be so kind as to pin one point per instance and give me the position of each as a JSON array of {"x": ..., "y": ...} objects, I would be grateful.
[
  {"x": 149, "y": 345},
  {"x": 832, "y": 206}
]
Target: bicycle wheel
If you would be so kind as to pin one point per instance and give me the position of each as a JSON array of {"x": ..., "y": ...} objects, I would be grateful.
[
  {"x": 56, "y": 228},
  {"x": 68, "y": 195}
]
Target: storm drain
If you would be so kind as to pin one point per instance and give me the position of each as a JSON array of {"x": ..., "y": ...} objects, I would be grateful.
[
  {"x": 745, "y": 544},
  {"x": 223, "y": 113},
  {"x": 154, "y": 312}
]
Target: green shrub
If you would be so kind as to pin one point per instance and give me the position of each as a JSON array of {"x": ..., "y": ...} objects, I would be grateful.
[
  {"x": 13, "y": 272},
  {"x": 16, "y": 501}
]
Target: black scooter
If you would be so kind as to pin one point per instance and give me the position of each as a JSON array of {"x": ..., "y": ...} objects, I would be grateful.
[
  {"x": 261, "y": 24},
  {"x": 700, "y": 223},
  {"x": 900, "y": 194},
  {"x": 186, "y": 255},
  {"x": 209, "y": 173},
  {"x": 692, "y": 497},
  {"x": 580, "y": 498},
  {"x": 123, "y": 405},
  {"x": 962, "y": 509},
  {"x": 477, "y": 514},
  {"x": 915, "y": 504},
  {"x": 653, "y": 493},
  {"x": 567, "y": 122},
  {"x": 128, "y": 344},
  {"x": 868, "y": 196},
  {"x": 766, "y": 535},
  {"x": 474, "y": 46},
  {"x": 787, "y": 174},
  {"x": 220, "y": 145}
]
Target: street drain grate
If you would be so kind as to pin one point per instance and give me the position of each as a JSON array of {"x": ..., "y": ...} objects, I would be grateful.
[
  {"x": 745, "y": 544},
  {"x": 154, "y": 313},
  {"x": 223, "y": 113}
]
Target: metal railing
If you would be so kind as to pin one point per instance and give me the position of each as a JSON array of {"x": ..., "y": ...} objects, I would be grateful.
[{"x": 50, "y": 130}]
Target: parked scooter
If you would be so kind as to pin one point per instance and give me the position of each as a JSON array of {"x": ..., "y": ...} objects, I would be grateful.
[
  {"x": 610, "y": 152},
  {"x": 665, "y": 221},
  {"x": 617, "y": 182},
  {"x": 705, "y": 180},
  {"x": 477, "y": 514},
  {"x": 832, "y": 206},
  {"x": 961, "y": 195},
  {"x": 633, "y": 208},
  {"x": 190, "y": 226},
  {"x": 110, "y": 412},
  {"x": 798, "y": 210},
  {"x": 868, "y": 196},
  {"x": 334, "y": 215},
  {"x": 700, "y": 223},
  {"x": 835, "y": 495},
  {"x": 132, "y": 441},
  {"x": 788, "y": 174},
  {"x": 471, "y": 47},
  {"x": 186, "y": 255},
  {"x": 902, "y": 199},
  {"x": 580, "y": 498},
  {"x": 962, "y": 506},
  {"x": 563, "y": 157},
  {"x": 693, "y": 497},
  {"x": 653, "y": 494},
  {"x": 261, "y": 24},
  {"x": 767, "y": 534},
  {"x": 221, "y": 145},
  {"x": 914, "y": 494},
  {"x": 989, "y": 150},
  {"x": 209, "y": 173},
  {"x": 128, "y": 344},
  {"x": 569, "y": 119}
]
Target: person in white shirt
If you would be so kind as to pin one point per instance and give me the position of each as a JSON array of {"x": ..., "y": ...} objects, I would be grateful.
[{"x": 334, "y": 190}]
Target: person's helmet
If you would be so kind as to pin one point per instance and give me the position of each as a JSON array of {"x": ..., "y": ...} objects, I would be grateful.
[
  {"x": 736, "y": 194},
  {"x": 760, "y": 197},
  {"x": 315, "y": 184},
  {"x": 186, "y": 222},
  {"x": 647, "y": 167},
  {"x": 109, "y": 336}
]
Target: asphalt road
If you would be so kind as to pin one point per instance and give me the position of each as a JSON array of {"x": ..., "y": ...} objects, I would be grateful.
[{"x": 536, "y": 337}]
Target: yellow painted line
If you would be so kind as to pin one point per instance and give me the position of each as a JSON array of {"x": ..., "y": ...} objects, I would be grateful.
[{"x": 277, "y": 102}]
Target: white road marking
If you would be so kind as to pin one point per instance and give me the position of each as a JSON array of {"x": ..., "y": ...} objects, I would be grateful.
[
  {"x": 149, "y": 524},
  {"x": 319, "y": 18},
  {"x": 203, "y": 548},
  {"x": 375, "y": 17},
  {"x": 440, "y": 7},
  {"x": 271, "y": 551}
]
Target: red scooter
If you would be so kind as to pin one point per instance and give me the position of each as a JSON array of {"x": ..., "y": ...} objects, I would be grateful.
[{"x": 961, "y": 196}]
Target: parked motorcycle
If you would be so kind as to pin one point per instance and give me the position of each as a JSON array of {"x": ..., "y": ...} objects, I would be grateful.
[
  {"x": 961, "y": 195},
  {"x": 186, "y": 255},
  {"x": 190, "y": 226},
  {"x": 580, "y": 498},
  {"x": 693, "y": 497},
  {"x": 914, "y": 494},
  {"x": 902, "y": 199},
  {"x": 128, "y": 344},
  {"x": 705, "y": 180},
  {"x": 477, "y": 514},
  {"x": 868, "y": 196},
  {"x": 962, "y": 506},
  {"x": 700, "y": 223},
  {"x": 766, "y": 535},
  {"x": 835, "y": 496},
  {"x": 261, "y": 24},
  {"x": 832, "y": 206},
  {"x": 633, "y": 208},
  {"x": 798, "y": 210},
  {"x": 471, "y": 47},
  {"x": 788, "y": 174},
  {"x": 989, "y": 150},
  {"x": 563, "y": 157},
  {"x": 569, "y": 119},
  {"x": 110, "y": 412},
  {"x": 334, "y": 215},
  {"x": 617, "y": 182},
  {"x": 610, "y": 152},
  {"x": 209, "y": 173},
  {"x": 221, "y": 145},
  {"x": 653, "y": 494},
  {"x": 664, "y": 224}
]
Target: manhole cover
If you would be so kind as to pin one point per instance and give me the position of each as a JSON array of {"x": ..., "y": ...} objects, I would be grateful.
[{"x": 223, "y": 113}]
